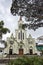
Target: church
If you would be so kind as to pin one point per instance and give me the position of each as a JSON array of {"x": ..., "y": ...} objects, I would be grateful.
[{"x": 20, "y": 44}]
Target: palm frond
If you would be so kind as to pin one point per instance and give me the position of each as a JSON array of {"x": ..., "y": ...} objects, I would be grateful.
[
  {"x": 5, "y": 30},
  {"x": 1, "y": 23}
]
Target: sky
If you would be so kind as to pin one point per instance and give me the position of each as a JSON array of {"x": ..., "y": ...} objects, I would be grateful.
[{"x": 11, "y": 21}]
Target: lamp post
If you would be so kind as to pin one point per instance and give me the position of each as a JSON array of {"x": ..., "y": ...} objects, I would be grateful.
[{"x": 10, "y": 48}]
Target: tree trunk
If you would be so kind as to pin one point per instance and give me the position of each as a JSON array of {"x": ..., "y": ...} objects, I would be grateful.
[{"x": 0, "y": 36}]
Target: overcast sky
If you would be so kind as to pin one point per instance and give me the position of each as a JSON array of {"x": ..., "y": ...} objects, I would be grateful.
[{"x": 11, "y": 21}]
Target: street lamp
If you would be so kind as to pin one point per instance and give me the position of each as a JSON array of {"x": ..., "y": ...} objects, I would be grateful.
[{"x": 10, "y": 48}]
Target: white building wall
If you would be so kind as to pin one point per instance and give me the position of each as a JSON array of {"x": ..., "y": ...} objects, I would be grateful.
[{"x": 26, "y": 45}]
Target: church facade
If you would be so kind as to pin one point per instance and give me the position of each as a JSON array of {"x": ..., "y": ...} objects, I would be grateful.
[{"x": 20, "y": 44}]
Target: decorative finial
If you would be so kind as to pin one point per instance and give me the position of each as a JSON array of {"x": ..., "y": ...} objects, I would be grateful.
[{"x": 20, "y": 17}]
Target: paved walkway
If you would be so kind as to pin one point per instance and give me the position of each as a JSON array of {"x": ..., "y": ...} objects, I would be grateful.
[{"x": 2, "y": 64}]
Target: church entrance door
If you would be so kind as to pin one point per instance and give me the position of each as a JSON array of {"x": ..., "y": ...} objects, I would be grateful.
[
  {"x": 10, "y": 51},
  {"x": 31, "y": 51},
  {"x": 20, "y": 51}
]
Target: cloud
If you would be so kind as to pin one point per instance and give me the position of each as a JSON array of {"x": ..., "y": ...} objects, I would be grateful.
[
  {"x": 11, "y": 21},
  {"x": 37, "y": 33},
  {"x": 5, "y": 15}
]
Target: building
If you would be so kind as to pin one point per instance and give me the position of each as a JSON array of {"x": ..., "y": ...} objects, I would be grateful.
[
  {"x": 40, "y": 44},
  {"x": 20, "y": 44},
  {"x": 2, "y": 47}
]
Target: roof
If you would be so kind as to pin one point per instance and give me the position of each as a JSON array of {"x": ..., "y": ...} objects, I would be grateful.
[
  {"x": 40, "y": 44},
  {"x": 40, "y": 38},
  {"x": 39, "y": 47}
]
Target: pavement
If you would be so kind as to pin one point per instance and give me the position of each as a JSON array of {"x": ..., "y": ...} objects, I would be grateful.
[{"x": 2, "y": 64}]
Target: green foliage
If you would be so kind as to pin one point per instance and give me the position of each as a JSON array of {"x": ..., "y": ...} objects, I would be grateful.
[
  {"x": 27, "y": 61},
  {"x": 31, "y": 9},
  {"x": 1, "y": 23},
  {"x": 2, "y": 29},
  {"x": 5, "y": 30},
  {"x": 11, "y": 62}
]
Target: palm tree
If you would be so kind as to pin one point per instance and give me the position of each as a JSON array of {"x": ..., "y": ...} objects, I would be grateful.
[{"x": 3, "y": 30}]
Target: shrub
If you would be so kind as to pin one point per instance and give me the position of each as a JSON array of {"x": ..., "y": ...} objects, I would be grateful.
[{"x": 26, "y": 61}]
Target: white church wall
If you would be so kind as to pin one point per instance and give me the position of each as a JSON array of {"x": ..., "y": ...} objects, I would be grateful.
[
  {"x": 15, "y": 48},
  {"x": 25, "y": 46},
  {"x": 28, "y": 43},
  {"x": 6, "y": 50}
]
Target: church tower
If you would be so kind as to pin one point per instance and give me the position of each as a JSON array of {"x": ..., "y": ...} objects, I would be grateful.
[
  {"x": 20, "y": 35},
  {"x": 20, "y": 32}
]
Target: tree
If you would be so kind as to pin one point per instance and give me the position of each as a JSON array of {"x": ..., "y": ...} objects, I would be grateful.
[
  {"x": 3, "y": 30},
  {"x": 24, "y": 60},
  {"x": 31, "y": 9}
]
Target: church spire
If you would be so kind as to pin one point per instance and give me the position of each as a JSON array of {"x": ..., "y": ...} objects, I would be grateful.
[
  {"x": 20, "y": 17},
  {"x": 20, "y": 22}
]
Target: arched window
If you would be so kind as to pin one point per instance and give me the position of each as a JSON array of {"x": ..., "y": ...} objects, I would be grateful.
[
  {"x": 19, "y": 35},
  {"x": 23, "y": 35}
]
